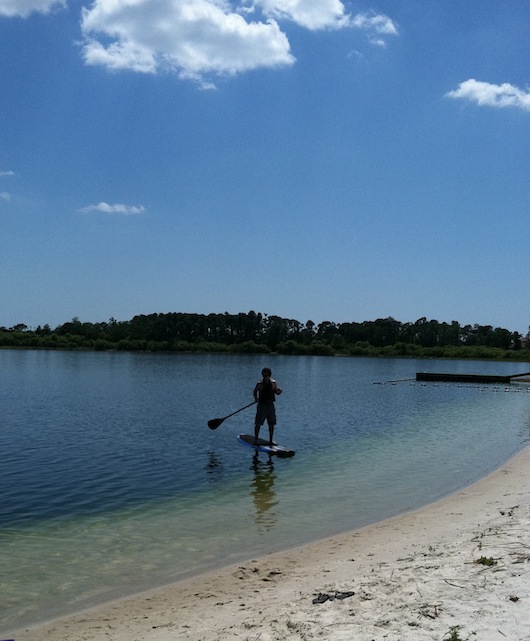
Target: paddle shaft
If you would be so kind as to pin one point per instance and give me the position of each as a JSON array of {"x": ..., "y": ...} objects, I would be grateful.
[
  {"x": 214, "y": 423},
  {"x": 240, "y": 410}
]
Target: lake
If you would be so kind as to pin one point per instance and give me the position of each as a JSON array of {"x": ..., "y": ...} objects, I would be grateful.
[{"x": 111, "y": 481}]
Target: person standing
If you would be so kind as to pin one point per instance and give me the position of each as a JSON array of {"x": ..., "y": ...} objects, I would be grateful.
[{"x": 265, "y": 393}]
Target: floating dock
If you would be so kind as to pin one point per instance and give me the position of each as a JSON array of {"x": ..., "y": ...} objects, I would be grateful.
[{"x": 467, "y": 378}]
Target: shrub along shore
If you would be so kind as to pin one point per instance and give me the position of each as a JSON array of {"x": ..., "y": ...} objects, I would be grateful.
[{"x": 256, "y": 333}]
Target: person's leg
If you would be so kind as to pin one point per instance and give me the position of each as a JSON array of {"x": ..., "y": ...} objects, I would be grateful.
[
  {"x": 271, "y": 420},
  {"x": 271, "y": 433},
  {"x": 258, "y": 422}
]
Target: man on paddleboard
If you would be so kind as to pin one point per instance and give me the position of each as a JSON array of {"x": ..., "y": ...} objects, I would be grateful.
[{"x": 265, "y": 394}]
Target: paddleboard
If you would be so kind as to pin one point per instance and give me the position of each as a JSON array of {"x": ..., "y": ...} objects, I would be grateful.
[{"x": 262, "y": 445}]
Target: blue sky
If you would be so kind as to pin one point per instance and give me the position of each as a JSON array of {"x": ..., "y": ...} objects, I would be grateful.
[{"x": 313, "y": 159}]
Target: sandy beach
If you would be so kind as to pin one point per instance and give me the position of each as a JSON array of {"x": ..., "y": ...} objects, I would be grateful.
[{"x": 456, "y": 569}]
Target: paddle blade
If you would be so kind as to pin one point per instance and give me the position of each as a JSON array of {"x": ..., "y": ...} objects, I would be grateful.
[{"x": 214, "y": 423}]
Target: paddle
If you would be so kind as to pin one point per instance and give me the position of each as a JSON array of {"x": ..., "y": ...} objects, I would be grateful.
[{"x": 214, "y": 423}]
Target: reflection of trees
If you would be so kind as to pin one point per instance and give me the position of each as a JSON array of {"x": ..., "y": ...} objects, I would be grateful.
[{"x": 262, "y": 492}]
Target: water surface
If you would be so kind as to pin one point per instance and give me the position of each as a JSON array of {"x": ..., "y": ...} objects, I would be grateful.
[{"x": 111, "y": 481}]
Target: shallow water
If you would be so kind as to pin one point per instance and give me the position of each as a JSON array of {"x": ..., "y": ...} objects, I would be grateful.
[{"x": 111, "y": 481}]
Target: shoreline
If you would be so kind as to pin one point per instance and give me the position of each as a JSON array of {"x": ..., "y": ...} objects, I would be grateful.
[{"x": 414, "y": 575}]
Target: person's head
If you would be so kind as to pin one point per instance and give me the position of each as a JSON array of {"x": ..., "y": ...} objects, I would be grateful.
[{"x": 266, "y": 372}]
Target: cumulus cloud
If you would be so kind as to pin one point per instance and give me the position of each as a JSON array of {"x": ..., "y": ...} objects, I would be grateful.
[
  {"x": 118, "y": 208},
  {"x": 192, "y": 37},
  {"x": 200, "y": 39},
  {"x": 4, "y": 195},
  {"x": 4, "y": 174},
  {"x": 485, "y": 94},
  {"x": 310, "y": 14},
  {"x": 377, "y": 26},
  {"x": 23, "y": 8}
]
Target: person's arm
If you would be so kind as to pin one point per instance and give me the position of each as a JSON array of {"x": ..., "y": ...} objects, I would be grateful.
[
  {"x": 255, "y": 392},
  {"x": 277, "y": 389}
]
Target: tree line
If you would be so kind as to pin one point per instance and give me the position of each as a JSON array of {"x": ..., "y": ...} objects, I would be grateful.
[{"x": 260, "y": 333}]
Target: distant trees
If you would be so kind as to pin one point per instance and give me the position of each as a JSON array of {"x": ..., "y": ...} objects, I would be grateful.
[{"x": 254, "y": 332}]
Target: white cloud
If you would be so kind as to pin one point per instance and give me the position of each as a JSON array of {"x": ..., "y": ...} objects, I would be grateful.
[
  {"x": 23, "y": 8},
  {"x": 310, "y": 14},
  {"x": 4, "y": 195},
  {"x": 120, "y": 55},
  {"x": 485, "y": 94},
  {"x": 118, "y": 208},
  {"x": 377, "y": 26},
  {"x": 200, "y": 39},
  {"x": 192, "y": 37}
]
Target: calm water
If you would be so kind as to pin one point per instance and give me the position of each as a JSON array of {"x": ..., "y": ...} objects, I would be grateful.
[{"x": 111, "y": 482}]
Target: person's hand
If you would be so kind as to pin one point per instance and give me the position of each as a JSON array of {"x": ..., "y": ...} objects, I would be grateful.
[{"x": 278, "y": 390}]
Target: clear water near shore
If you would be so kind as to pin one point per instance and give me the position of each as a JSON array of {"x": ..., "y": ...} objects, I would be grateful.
[{"x": 112, "y": 483}]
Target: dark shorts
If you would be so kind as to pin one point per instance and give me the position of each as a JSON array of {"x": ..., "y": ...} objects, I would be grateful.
[{"x": 265, "y": 412}]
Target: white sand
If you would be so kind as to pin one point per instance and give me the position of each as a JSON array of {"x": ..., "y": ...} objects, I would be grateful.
[{"x": 414, "y": 577}]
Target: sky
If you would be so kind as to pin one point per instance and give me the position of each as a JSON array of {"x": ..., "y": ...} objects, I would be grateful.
[{"x": 312, "y": 159}]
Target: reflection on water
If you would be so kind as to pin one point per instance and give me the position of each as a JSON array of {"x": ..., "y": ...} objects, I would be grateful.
[
  {"x": 214, "y": 467},
  {"x": 263, "y": 494}
]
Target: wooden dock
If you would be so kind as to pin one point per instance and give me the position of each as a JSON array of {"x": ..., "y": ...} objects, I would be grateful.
[{"x": 467, "y": 378}]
